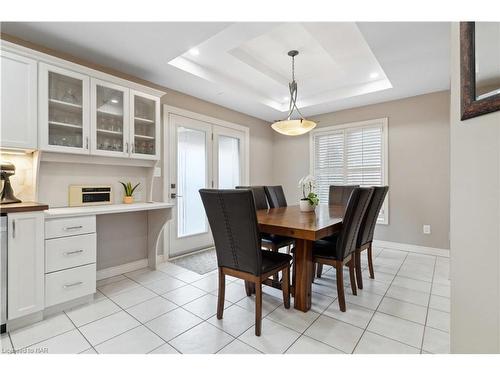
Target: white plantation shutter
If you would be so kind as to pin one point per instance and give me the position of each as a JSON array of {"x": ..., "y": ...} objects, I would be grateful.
[{"x": 348, "y": 155}]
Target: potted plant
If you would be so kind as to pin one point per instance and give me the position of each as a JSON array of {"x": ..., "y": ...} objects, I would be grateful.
[
  {"x": 309, "y": 199},
  {"x": 129, "y": 191}
]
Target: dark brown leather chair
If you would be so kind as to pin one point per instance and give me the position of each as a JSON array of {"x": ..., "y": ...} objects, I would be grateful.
[
  {"x": 365, "y": 237},
  {"x": 269, "y": 241},
  {"x": 232, "y": 218},
  {"x": 338, "y": 251},
  {"x": 275, "y": 196},
  {"x": 338, "y": 195}
]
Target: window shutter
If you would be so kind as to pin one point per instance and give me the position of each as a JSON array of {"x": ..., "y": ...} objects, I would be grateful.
[{"x": 353, "y": 155}]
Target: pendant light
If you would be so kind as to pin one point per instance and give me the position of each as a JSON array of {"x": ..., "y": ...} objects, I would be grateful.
[{"x": 299, "y": 125}]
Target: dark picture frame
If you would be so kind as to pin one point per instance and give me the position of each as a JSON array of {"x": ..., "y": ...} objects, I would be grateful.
[{"x": 470, "y": 106}]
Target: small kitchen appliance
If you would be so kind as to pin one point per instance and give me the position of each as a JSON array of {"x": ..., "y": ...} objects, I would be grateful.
[
  {"x": 86, "y": 195},
  {"x": 7, "y": 169}
]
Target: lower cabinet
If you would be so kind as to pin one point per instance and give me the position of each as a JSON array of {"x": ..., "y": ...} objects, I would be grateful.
[
  {"x": 25, "y": 264},
  {"x": 70, "y": 259},
  {"x": 66, "y": 285}
]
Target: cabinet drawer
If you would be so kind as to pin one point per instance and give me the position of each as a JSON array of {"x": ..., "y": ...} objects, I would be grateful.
[
  {"x": 69, "y": 284},
  {"x": 67, "y": 252},
  {"x": 70, "y": 226}
]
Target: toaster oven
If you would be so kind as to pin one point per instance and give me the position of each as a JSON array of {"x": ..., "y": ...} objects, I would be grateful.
[{"x": 86, "y": 195}]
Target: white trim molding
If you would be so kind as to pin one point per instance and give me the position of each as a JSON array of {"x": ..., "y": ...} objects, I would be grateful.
[
  {"x": 121, "y": 269},
  {"x": 412, "y": 248}
]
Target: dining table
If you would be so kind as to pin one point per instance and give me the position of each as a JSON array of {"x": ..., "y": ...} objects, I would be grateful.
[{"x": 305, "y": 228}]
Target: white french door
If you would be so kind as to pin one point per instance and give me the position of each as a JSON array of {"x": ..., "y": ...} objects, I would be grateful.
[{"x": 202, "y": 155}]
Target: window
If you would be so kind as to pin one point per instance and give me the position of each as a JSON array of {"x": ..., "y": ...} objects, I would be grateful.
[{"x": 351, "y": 154}]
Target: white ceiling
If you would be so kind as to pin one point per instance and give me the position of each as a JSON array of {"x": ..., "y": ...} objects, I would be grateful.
[{"x": 244, "y": 66}]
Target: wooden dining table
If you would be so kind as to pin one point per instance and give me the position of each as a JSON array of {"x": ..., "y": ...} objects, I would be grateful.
[{"x": 305, "y": 227}]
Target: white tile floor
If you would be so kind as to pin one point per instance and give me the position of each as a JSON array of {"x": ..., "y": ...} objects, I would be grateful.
[{"x": 172, "y": 310}]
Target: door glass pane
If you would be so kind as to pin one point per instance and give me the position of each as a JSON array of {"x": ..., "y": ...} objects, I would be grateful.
[
  {"x": 144, "y": 126},
  {"x": 109, "y": 107},
  {"x": 229, "y": 162},
  {"x": 65, "y": 111},
  {"x": 191, "y": 176}
]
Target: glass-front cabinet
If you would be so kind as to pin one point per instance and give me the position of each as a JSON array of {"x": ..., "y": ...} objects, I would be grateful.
[
  {"x": 84, "y": 115},
  {"x": 109, "y": 109},
  {"x": 144, "y": 130},
  {"x": 64, "y": 123}
]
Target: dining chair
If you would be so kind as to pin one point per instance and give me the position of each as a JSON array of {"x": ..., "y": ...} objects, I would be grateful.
[
  {"x": 275, "y": 196},
  {"x": 269, "y": 241},
  {"x": 365, "y": 237},
  {"x": 338, "y": 251},
  {"x": 233, "y": 221},
  {"x": 338, "y": 195}
]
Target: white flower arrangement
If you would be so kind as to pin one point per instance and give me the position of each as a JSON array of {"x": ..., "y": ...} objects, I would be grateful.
[{"x": 308, "y": 186}]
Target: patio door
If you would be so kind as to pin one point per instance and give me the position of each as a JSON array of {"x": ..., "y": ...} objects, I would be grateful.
[{"x": 203, "y": 155}]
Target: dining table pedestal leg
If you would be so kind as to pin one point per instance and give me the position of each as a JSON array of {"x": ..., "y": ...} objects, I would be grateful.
[{"x": 303, "y": 274}]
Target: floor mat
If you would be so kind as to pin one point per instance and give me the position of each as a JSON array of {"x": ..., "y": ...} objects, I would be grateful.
[{"x": 201, "y": 263}]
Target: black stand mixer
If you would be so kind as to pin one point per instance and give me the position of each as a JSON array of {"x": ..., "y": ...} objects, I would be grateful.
[{"x": 7, "y": 196}]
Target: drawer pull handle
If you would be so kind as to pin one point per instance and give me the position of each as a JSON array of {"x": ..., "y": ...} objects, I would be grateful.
[
  {"x": 75, "y": 227},
  {"x": 73, "y": 285},
  {"x": 73, "y": 252}
]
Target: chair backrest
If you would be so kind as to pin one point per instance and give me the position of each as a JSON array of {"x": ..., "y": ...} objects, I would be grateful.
[
  {"x": 232, "y": 218},
  {"x": 368, "y": 226},
  {"x": 351, "y": 223},
  {"x": 338, "y": 195},
  {"x": 259, "y": 196},
  {"x": 275, "y": 196}
]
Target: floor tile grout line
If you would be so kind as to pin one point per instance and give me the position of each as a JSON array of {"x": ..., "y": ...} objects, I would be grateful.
[
  {"x": 427, "y": 313},
  {"x": 80, "y": 332},
  {"x": 371, "y": 318}
]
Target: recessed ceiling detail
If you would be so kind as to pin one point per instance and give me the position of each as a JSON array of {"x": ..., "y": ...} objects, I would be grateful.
[
  {"x": 244, "y": 66},
  {"x": 335, "y": 62}
]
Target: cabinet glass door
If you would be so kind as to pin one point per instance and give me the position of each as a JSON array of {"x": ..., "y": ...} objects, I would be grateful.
[
  {"x": 145, "y": 111},
  {"x": 66, "y": 111},
  {"x": 110, "y": 120}
]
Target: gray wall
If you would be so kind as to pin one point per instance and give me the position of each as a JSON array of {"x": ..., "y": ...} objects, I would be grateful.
[
  {"x": 419, "y": 147},
  {"x": 475, "y": 224}
]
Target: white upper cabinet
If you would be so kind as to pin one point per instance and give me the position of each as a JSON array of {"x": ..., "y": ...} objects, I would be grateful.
[
  {"x": 145, "y": 126},
  {"x": 64, "y": 110},
  {"x": 18, "y": 101},
  {"x": 110, "y": 119}
]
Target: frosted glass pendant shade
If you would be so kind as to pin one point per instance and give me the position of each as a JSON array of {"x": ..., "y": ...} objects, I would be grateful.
[{"x": 293, "y": 127}]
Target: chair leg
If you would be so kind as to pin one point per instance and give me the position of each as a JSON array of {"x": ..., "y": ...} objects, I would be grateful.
[
  {"x": 249, "y": 288},
  {"x": 319, "y": 270},
  {"x": 370, "y": 262},
  {"x": 258, "y": 308},
  {"x": 285, "y": 286},
  {"x": 221, "y": 294},
  {"x": 275, "y": 276},
  {"x": 359, "y": 273},
  {"x": 293, "y": 275},
  {"x": 340, "y": 286},
  {"x": 352, "y": 266}
]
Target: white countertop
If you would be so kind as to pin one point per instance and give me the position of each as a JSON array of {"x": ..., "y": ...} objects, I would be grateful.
[{"x": 105, "y": 209}]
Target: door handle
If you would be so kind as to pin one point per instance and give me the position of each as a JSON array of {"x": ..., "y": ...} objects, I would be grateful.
[{"x": 13, "y": 228}]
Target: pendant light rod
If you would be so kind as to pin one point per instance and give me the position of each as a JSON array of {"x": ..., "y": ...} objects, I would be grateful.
[{"x": 292, "y": 86}]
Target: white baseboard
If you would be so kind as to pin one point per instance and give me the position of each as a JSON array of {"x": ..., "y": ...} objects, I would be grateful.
[
  {"x": 122, "y": 268},
  {"x": 413, "y": 248}
]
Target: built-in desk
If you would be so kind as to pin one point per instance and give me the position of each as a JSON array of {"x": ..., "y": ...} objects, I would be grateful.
[{"x": 158, "y": 215}]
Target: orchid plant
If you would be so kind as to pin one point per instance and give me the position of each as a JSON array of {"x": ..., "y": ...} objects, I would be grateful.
[{"x": 308, "y": 185}]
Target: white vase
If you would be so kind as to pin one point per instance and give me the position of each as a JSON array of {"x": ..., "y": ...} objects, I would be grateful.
[{"x": 306, "y": 206}]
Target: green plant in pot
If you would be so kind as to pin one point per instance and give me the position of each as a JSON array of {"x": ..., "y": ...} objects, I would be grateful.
[
  {"x": 128, "y": 190},
  {"x": 309, "y": 199}
]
